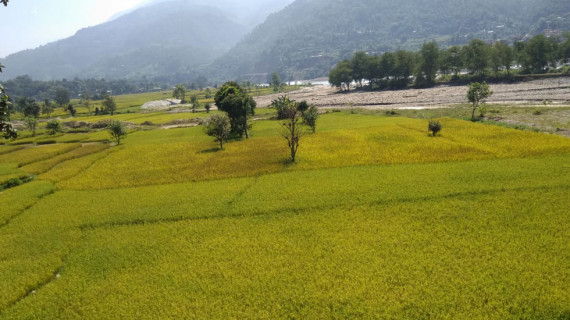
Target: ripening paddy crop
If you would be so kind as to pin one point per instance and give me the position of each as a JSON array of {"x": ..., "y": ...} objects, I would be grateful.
[{"x": 376, "y": 220}]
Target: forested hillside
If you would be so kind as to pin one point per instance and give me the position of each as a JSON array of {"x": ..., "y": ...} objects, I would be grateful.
[
  {"x": 307, "y": 38},
  {"x": 162, "y": 39}
]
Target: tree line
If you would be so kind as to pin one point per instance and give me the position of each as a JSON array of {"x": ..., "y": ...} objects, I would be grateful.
[{"x": 394, "y": 70}]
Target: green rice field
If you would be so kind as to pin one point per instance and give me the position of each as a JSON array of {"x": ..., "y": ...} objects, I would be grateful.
[{"x": 376, "y": 220}]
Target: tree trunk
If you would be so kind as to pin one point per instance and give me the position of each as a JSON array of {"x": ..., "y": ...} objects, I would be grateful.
[
  {"x": 221, "y": 144},
  {"x": 473, "y": 114}
]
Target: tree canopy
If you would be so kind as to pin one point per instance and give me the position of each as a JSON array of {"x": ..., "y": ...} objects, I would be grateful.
[
  {"x": 6, "y": 129},
  {"x": 234, "y": 100},
  {"x": 476, "y": 94}
]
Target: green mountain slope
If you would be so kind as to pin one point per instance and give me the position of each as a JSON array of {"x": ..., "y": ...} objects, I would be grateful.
[
  {"x": 309, "y": 36},
  {"x": 162, "y": 39}
]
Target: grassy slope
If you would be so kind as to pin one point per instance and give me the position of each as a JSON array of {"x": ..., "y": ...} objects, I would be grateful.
[{"x": 468, "y": 225}]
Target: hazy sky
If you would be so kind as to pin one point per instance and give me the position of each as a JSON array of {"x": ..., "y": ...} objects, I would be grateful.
[{"x": 27, "y": 24}]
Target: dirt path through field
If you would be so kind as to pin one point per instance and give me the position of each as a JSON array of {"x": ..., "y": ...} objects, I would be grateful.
[{"x": 531, "y": 92}]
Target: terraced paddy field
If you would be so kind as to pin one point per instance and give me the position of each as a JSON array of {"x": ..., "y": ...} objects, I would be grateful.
[{"x": 376, "y": 220}]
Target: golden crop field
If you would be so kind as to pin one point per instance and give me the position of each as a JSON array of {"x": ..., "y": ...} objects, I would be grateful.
[{"x": 376, "y": 220}]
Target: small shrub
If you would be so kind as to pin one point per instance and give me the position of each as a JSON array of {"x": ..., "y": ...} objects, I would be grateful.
[
  {"x": 147, "y": 123},
  {"x": 53, "y": 126},
  {"x": 13, "y": 183},
  {"x": 434, "y": 127},
  {"x": 101, "y": 124},
  {"x": 336, "y": 110},
  {"x": 392, "y": 113},
  {"x": 494, "y": 111},
  {"x": 537, "y": 113},
  {"x": 482, "y": 110}
]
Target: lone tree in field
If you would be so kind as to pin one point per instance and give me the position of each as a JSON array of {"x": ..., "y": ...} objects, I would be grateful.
[
  {"x": 476, "y": 94},
  {"x": 239, "y": 106},
  {"x": 195, "y": 103},
  {"x": 219, "y": 127},
  {"x": 53, "y": 126},
  {"x": 275, "y": 81},
  {"x": 61, "y": 97},
  {"x": 86, "y": 101},
  {"x": 31, "y": 124},
  {"x": 434, "y": 127},
  {"x": 109, "y": 104},
  {"x": 179, "y": 92},
  {"x": 291, "y": 129},
  {"x": 117, "y": 131}
]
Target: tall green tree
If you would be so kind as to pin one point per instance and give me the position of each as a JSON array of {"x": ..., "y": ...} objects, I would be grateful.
[
  {"x": 375, "y": 73},
  {"x": 476, "y": 94},
  {"x": 31, "y": 124},
  {"x": 521, "y": 56},
  {"x": 505, "y": 54},
  {"x": 86, "y": 101},
  {"x": 565, "y": 48},
  {"x": 219, "y": 127},
  {"x": 388, "y": 64},
  {"x": 239, "y": 106},
  {"x": 6, "y": 128},
  {"x": 455, "y": 59},
  {"x": 179, "y": 92},
  {"x": 359, "y": 65},
  {"x": 405, "y": 64},
  {"x": 28, "y": 106},
  {"x": 61, "y": 97},
  {"x": 539, "y": 50},
  {"x": 341, "y": 75},
  {"x": 429, "y": 59},
  {"x": 109, "y": 104},
  {"x": 195, "y": 103},
  {"x": 476, "y": 55},
  {"x": 291, "y": 128},
  {"x": 275, "y": 81},
  {"x": 117, "y": 131}
]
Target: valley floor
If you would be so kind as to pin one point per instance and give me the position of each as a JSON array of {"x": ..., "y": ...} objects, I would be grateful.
[
  {"x": 533, "y": 92},
  {"x": 376, "y": 220}
]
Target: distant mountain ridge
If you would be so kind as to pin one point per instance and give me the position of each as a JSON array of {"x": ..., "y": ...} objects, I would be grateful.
[
  {"x": 307, "y": 38},
  {"x": 157, "y": 39},
  {"x": 172, "y": 37},
  {"x": 185, "y": 38}
]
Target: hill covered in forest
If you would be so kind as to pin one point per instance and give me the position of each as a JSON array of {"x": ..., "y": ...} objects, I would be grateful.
[
  {"x": 309, "y": 36},
  {"x": 160, "y": 39}
]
